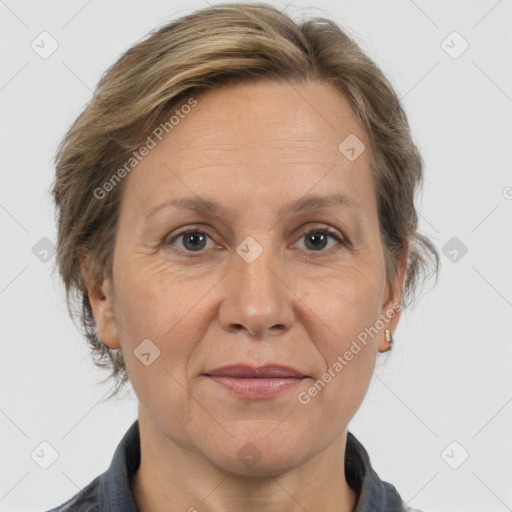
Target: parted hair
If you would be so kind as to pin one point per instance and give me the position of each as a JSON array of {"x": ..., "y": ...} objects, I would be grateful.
[{"x": 209, "y": 48}]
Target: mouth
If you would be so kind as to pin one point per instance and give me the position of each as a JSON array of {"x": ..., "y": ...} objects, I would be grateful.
[{"x": 256, "y": 382}]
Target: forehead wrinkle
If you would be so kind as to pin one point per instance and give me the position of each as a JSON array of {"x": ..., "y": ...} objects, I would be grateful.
[
  {"x": 231, "y": 154},
  {"x": 193, "y": 142}
]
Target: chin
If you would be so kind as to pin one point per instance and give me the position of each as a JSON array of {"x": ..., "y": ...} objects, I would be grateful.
[
  {"x": 269, "y": 465},
  {"x": 258, "y": 455}
]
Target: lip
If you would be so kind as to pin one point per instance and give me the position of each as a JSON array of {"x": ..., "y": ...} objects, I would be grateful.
[
  {"x": 256, "y": 383},
  {"x": 247, "y": 371}
]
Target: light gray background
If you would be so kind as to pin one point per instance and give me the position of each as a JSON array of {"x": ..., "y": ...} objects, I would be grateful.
[{"x": 448, "y": 377}]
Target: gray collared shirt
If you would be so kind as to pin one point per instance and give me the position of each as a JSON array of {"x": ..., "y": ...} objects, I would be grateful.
[{"x": 111, "y": 491}]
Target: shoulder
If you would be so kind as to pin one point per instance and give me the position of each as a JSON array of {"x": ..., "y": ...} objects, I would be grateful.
[
  {"x": 87, "y": 500},
  {"x": 373, "y": 493},
  {"x": 111, "y": 488},
  {"x": 396, "y": 503}
]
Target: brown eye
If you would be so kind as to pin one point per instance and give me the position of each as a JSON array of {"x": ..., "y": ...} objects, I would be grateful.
[
  {"x": 316, "y": 240},
  {"x": 192, "y": 241}
]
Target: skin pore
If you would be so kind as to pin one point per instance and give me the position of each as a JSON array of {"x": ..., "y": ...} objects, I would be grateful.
[{"x": 255, "y": 149}]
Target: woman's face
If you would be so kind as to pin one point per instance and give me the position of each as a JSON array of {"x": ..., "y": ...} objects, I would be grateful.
[{"x": 257, "y": 282}]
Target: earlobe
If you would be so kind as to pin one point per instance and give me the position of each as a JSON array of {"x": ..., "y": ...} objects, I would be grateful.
[
  {"x": 101, "y": 298},
  {"x": 392, "y": 307}
]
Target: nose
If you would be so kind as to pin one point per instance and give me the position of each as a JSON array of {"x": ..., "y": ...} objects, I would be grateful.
[{"x": 258, "y": 296}]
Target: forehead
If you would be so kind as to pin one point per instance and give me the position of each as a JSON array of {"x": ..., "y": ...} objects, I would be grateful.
[
  {"x": 269, "y": 116},
  {"x": 256, "y": 140}
]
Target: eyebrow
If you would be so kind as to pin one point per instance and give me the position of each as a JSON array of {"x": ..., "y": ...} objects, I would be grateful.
[{"x": 203, "y": 205}]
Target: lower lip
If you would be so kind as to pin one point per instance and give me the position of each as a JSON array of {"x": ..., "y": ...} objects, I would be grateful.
[{"x": 256, "y": 388}]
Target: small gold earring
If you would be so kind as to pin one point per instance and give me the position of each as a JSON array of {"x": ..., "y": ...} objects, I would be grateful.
[{"x": 389, "y": 337}]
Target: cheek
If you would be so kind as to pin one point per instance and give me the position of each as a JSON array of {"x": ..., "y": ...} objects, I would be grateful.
[
  {"x": 348, "y": 353},
  {"x": 171, "y": 310},
  {"x": 342, "y": 327},
  {"x": 343, "y": 305},
  {"x": 154, "y": 315},
  {"x": 150, "y": 298}
]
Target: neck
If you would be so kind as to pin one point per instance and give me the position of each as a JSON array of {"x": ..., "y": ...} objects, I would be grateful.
[{"x": 174, "y": 477}]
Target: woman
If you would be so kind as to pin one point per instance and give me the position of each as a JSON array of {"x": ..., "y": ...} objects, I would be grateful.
[{"x": 236, "y": 215}]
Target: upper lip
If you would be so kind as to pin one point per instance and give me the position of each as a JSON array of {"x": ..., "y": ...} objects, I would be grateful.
[{"x": 246, "y": 371}]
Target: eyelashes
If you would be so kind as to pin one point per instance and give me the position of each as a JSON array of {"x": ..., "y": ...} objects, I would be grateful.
[{"x": 311, "y": 236}]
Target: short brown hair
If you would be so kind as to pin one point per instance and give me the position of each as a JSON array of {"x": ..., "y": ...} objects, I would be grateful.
[{"x": 212, "y": 47}]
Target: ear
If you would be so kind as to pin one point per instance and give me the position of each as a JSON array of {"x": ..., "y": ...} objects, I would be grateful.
[
  {"x": 392, "y": 307},
  {"x": 101, "y": 297}
]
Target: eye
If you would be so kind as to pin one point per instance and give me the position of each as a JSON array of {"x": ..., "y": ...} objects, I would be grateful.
[
  {"x": 195, "y": 240},
  {"x": 317, "y": 239}
]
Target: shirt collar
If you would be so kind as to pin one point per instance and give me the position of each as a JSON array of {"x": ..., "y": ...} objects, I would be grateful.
[
  {"x": 115, "y": 492},
  {"x": 374, "y": 495}
]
